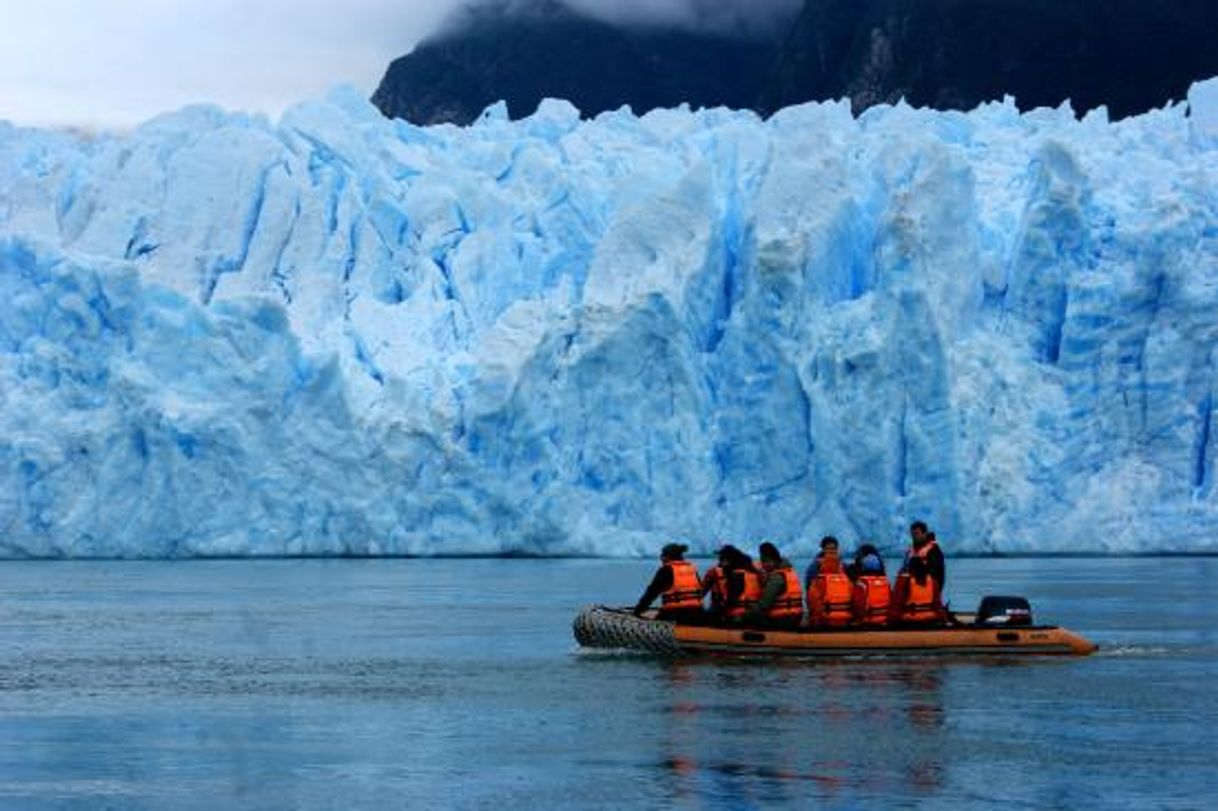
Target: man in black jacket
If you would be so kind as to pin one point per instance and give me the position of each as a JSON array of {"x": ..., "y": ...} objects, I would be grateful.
[
  {"x": 677, "y": 583},
  {"x": 923, "y": 544}
]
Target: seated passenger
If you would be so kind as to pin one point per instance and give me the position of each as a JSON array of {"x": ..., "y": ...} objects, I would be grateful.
[
  {"x": 781, "y": 604},
  {"x": 872, "y": 598},
  {"x": 676, "y": 584},
  {"x": 917, "y": 596},
  {"x": 743, "y": 583},
  {"x": 830, "y": 594},
  {"x": 828, "y": 548}
]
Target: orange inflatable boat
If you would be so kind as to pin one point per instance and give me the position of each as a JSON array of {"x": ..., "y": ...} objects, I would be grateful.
[{"x": 1000, "y": 634}]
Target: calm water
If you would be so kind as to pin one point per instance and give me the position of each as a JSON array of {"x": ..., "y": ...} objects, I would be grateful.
[{"x": 456, "y": 684}]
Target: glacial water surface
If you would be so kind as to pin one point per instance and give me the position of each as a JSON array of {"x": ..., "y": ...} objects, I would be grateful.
[{"x": 376, "y": 684}]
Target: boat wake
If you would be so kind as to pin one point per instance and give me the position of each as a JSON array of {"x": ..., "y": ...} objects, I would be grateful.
[{"x": 1134, "y": 651}]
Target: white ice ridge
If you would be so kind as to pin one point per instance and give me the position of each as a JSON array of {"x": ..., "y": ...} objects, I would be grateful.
[{"x": 341, "y": 334}]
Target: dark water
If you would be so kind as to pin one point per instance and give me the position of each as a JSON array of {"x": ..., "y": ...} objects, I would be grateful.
[{"x": 456, "y": 684}]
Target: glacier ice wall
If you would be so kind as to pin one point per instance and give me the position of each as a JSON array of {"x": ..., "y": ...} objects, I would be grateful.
[{"x": 340, "y": 334}]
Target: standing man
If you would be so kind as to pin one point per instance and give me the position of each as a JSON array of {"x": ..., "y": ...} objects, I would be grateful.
[{"x": 924, "y": 545}]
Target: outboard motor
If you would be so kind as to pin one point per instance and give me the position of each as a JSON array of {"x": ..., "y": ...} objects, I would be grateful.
[{"x": 1004, "y": 611}]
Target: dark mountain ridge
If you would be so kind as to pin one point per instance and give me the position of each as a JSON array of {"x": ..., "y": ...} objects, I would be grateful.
[
  {"x": 1131, "y": 55},
  {"x": 555, "y": 53}
]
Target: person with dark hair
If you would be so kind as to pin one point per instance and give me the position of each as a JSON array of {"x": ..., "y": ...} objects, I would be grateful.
[
  {"x": 830, "y": 592},
  {"x": 781, "y": 604},
  {"x": 743, "y": 583},
  {"x": 923, "y": 544},
  {"x": 828, "y": 549},
  {"x": 677, "y": 585}
]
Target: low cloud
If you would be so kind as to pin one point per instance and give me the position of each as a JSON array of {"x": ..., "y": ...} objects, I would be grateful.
[
  {"x": 747, "y": 17},
  {"x": 729, "y": 17}
]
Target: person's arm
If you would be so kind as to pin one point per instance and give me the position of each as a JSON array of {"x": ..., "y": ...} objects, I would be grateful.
[
  {"x": 810, "y": 575},
  {"x": 858, "y": 601},
  {"x": 815, "y": 597},
  {"x": 661, "y": 583},
  {"x": 937, "y": 566},
  {"x": 900, "y": 593},
  {"x": 735, "y": 587},
  {"x": 774, "y": 587}
]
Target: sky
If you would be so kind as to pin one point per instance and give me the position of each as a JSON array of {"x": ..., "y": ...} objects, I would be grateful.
[{"x": 111, "y": 64}]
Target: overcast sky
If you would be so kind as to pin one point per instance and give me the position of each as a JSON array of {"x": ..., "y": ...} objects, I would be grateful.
[{"x": 114, "y": 63}]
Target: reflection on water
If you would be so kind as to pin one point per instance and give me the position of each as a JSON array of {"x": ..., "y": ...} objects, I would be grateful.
[
  {"x": 802, "y": 743},
  {"x": 382, "y": 684}
]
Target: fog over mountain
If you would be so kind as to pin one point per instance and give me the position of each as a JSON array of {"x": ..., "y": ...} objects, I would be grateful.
[{"x": 751, "y": 18}]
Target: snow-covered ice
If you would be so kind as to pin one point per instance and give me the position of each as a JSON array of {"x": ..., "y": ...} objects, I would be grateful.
[{"x": 342, "y": 334}]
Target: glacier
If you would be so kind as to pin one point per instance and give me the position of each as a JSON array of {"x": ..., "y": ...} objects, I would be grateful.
[{"x": 339, "y": 334}]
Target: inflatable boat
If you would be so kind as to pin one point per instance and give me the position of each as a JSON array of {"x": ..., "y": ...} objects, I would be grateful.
[{"x": 1005, "y": 631}]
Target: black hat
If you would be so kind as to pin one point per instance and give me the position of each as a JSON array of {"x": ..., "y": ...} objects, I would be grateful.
[
  {"x": 769, "y": 551},
  {"x": 673, "y": 550}
]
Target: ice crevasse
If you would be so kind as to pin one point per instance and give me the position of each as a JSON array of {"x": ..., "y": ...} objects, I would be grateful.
[{"x": 342, "y": 334}]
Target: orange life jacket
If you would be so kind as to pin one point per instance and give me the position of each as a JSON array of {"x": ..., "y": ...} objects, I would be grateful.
[
  {"x": 918, "y": 602},
  {"x": 791, "y": 602},
  {"x": 828, "y": 563},
  {"x": 831, "y": 599},
  {"x": 924, "y": 552},
  {"x": 685, "y": 591},
  {"x": 749, "y": 596},
  {"x": 872, "y": 599}
]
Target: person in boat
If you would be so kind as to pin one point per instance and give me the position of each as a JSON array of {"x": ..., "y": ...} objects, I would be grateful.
[
  {"x": 924, "y": 545},
  {"x": 781, "y": 604},
  {"x": 743, "y": 583},
  {"x": 917, "y": 600},
  {"x": 828, "y": 548},
  {"x": 872, "y": 596},
  {"x": 677, "y": 585},
  {"x": 830, "y": 592}
]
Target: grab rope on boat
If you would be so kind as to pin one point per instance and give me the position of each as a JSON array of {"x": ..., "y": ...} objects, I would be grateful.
[{"x": 602, "y": 627}]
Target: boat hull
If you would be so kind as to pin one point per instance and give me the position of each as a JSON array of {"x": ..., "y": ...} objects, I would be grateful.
[{"x": 614, "y": 628}]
